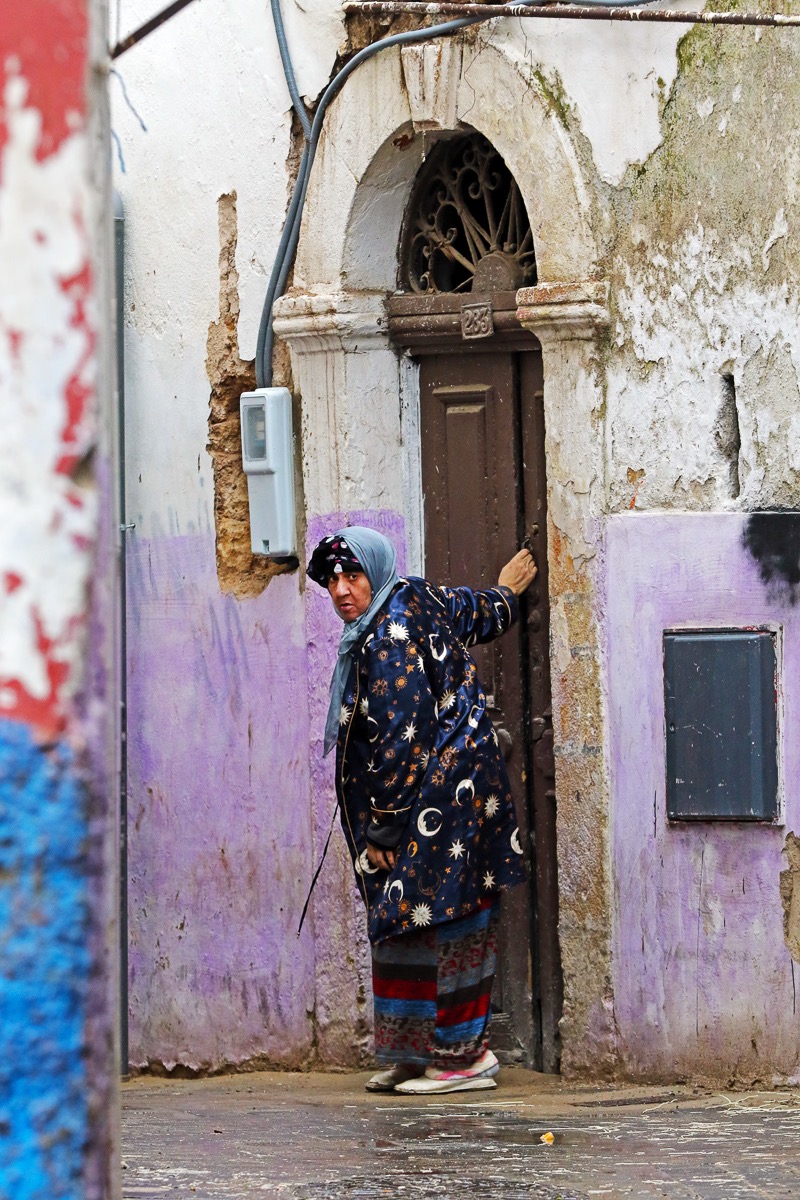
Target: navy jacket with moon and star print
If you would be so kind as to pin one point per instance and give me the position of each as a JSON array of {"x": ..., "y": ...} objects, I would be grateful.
[{"x": 418, "y": 765}]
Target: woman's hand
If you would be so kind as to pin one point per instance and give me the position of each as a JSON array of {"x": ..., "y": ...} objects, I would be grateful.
[
  {"x": 519, "y": 573},
  {"x": 384, "y": 860}
]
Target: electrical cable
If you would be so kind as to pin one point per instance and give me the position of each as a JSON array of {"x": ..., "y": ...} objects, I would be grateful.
[
  {"x": 291, "y": 230},
  {"x": 288, "y": 69}
]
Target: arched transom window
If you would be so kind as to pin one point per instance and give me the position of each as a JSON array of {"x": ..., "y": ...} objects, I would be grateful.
[{"x": 466, "y": 226}]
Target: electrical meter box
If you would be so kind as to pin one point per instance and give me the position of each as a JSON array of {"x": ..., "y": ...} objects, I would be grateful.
[{"x": 268, "y": 460}]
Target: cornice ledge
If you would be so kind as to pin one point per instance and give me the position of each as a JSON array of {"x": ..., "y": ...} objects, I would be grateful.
[
  {"x": 311, "y": 322},
  {"x": 562, "y": 312}
]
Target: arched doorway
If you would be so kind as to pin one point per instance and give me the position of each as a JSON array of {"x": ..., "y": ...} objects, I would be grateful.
[
  {"x": 466, "y": 247},
  {"x": 360, "y": 454}
]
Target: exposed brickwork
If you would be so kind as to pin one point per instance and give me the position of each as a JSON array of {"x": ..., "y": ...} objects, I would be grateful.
[{"x": 238, "y": 569}]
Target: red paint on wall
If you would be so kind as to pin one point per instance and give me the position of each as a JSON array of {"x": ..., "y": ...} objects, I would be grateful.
[
  {"x": 46, "y": 42},
  {"x": 79, "y": 390},
  {"x": 44, "y": 47},
  {"x": 47, "y": 713}
]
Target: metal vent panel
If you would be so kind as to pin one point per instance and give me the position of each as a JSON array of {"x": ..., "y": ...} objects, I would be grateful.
[{"x": 721, "y": 725}]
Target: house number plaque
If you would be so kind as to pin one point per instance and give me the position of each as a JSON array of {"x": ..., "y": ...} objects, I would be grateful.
[{"x": 477, "y": 321}]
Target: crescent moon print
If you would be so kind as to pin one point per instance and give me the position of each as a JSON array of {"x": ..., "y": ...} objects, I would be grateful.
[
  {"x": 363, "y": 865},
  {"x": 373, "y": 736},
  {"x": 422, "y": 825},
  {"x": 471, "y": 721},
  {"x": 439, "y": 655},
  {"x": 412, "y": 849},
  {"x": 398, "y": 883},
  {"x": 466, "y": 785},
  {"x": 515, "y": 846}
]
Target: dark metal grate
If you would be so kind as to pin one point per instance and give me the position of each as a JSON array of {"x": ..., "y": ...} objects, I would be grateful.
[{"x": 466, "y": 210}]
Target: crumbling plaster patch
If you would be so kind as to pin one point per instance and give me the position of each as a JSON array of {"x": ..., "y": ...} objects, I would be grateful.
[
  {"x": 790, "y": 895},
  {"x": 704, "y": 275},
  {"x": 682, "y": 320},
  {"x": 239, "y": 570}
]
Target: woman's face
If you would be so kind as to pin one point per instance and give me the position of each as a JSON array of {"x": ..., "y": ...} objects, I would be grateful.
[{"x": 351, "y": 594}]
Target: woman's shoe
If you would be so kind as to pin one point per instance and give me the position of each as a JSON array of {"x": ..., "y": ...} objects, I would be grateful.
[
  {"x": 387, "y": 1081},
  {"x": 478, "y": 1077}
]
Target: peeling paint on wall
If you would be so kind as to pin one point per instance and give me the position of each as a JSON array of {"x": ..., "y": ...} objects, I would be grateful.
[
  {"x": 704, "y": 277},
  {"x": 239, "y": 570},
  {"x": 790, "y": 895},
  {"x": 47, "y": 502},
  {"x": 57, "y": 1079}
]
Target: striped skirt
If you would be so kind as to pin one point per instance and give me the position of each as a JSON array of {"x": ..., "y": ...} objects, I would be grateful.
[{"x": 432, "y": 991}]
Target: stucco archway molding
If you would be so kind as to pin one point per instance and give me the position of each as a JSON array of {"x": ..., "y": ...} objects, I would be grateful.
[{"x": 360, "y": 438}]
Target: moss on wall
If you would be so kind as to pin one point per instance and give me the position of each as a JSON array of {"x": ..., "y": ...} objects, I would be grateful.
[{"x": 704, "y": 268}]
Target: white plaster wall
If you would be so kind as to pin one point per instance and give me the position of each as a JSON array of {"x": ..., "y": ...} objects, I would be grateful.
[
  {"x": 615, "y": 78},
  {"x": 208, "y": 85},
  {"x": 699, "y": 310}
]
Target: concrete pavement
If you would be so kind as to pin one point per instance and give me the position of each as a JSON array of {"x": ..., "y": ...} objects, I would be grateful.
[{"x": 320, "y": 1136}]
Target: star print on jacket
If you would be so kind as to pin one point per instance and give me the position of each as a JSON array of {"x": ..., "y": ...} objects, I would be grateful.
[{"x": 418, "y": 765}]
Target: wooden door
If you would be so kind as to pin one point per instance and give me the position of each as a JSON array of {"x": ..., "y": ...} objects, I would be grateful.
[{"x": 483, "y": 477}]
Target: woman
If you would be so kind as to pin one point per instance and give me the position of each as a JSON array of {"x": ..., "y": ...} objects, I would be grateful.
[{"x": 425, "y": 803}]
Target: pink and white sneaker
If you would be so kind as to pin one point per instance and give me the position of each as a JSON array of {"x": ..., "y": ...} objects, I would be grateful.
[{"x": 478, "y": 1077}]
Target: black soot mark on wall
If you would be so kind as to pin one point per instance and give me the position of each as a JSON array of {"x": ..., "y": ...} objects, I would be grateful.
[{"x": 773, "y": 539}]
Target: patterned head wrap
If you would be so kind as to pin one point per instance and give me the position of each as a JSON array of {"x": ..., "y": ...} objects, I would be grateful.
[
  {"x": 332, "y": 556},
  {"x": 375, "y": 555}
]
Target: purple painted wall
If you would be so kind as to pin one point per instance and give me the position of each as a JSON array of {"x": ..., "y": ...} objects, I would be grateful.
[
  {"x": 219, "y": 828},
  {"x": 703, "y": 981},
  {"x": 230, "y": 805}
]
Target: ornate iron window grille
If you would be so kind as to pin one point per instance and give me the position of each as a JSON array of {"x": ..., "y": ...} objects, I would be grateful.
[{"x": 466, "y": 224}]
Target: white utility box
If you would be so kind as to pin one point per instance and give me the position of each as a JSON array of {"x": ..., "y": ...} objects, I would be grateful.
[{"x": 268, "y": 459}]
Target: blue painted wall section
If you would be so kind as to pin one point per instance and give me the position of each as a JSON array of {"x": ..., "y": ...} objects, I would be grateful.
[{"x": 44, "y": 969}]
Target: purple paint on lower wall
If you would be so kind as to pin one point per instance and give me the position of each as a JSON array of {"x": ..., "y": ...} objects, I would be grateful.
[
  {"x": 703, "y": 981},
  {"x": 220, "y": 840}
]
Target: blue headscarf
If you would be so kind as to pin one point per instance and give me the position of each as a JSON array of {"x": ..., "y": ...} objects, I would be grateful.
[{"x": 378, "y": 560}]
